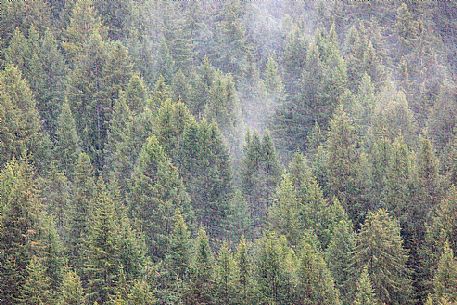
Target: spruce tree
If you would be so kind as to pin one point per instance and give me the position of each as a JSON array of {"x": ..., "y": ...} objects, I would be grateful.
[
  {"x": 260, "y": 174},
  {"x": 206, "y": 170},
  {"x": 141, "y": 293},
  {"x": 20, "y": 128},
  {"x": 365, "y": 294},
  {"x": 71, "y": 291},
  {"x": 202, "y": 271},
  {"x": 445, "y": 278},
  {"x": 380, "y": 247},
  {"x": 81, "y": 209},
  {"x": 37, "y": 285},
  {"x": 19, "y": 228},
  {"x": 245, "y": 266},
  {"x": 225, "y": 277},
  {"x": 342, "y": 161},
  {"x": 284, "y": 213},
  {"x": 157, "y": 191},
  {"x": 67, "y": 144},
  {"x": 340, "y": 259},
  {"x": 315, "y": 281}
]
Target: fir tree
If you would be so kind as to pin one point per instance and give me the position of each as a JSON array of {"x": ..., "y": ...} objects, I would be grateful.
[
  {"x": 225, "y": 277},
  {"x": 315, "y": 282}
]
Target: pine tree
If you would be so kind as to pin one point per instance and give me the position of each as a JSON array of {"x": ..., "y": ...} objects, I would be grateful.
[
  {"x": 101, "y": 258},
  {"x": 246, "y": 283},
  {"x": 119, "y": 158},
  {"x": 445, "y": 278},
  {"x": 224, "y": 108},
  {"x": 380, "y": 247},
  {"x": 71, "y": 291},
  {"x": 239, "y": 222},
  {"x": 37, "y": 286},
  {"x": 177, "y": 262},
  {"x": 82, "y": 23},
  {"x": 365, "y": 294},
  {"x": 156, "y": 192},
  {"x": 340, "y": 259},
  {"x": 275, "y": 270},
  {"x": 67, "y": 144}
]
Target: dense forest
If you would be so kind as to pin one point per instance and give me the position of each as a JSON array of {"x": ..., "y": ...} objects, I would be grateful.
[{"x": 228, "y": 152}]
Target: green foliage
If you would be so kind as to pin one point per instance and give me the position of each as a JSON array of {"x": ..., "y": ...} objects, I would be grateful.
[
  {"x": 71, "y": 291},
  {"x": 157, "y": 191},
  {"x": 37, "y": 286},
  {"x": 380, "y": 248},
  {"x": 365, "y": 294},
  {"x": 445, "y": 279}
]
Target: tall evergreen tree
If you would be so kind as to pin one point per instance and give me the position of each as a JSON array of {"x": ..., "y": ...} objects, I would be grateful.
[
  {"x": 365, "y": 294},
  {"x": 71, "y": 291},
  {"x": 340, "y": 259},
  {"x": 20, "y": 126},
  {"x": 380, "y": 248},
  {"x": 225, "y": 277},
  {"x": 445, "y": 279},
  {"x": 67, "y": 144},
  {"x": 202, "y": 271},
  {"x": 37, "y": 285},
  {"x": 260, "y": 174},
  {"x": 156, "y": 192}
]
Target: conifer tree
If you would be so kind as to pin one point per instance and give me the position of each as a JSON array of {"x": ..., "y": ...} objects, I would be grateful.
[
  {"x": 245, "y": 266},
  {"x": 71, "y": 291},
  {"x": 445, "y": 278},
  {"x": 156, "y": 192},
  {"x": 67, "y": 144},
  {"x": 102, "y": 245},
  {"x": 315, "y": 282},
  {"x": 342, "y": 161},
  {"x": 19, "y": 228},
  {"x": 380, "y": 247},
  {"x": 365, "y": 294},
  {"x": 37, "y": 285},
  {"x": 206, "y": 170},
  {"x": 274, "y": 261},
  {"x": 20, "y": 128},
  {"x": 119, "y": 158},
  {"x": 141, "y": 293},
  {"x": 202, "y": 271},
  {"x": 225, "y": 277},
  {"x": 260, "y": 174},
  {"x": 284, "y": 213},
  {"x": 81, "y": 209},
  {"x": 340, "y": 259}
]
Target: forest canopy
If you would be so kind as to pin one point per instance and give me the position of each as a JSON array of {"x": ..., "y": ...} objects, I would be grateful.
[{"x": 228, "y": 152}]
